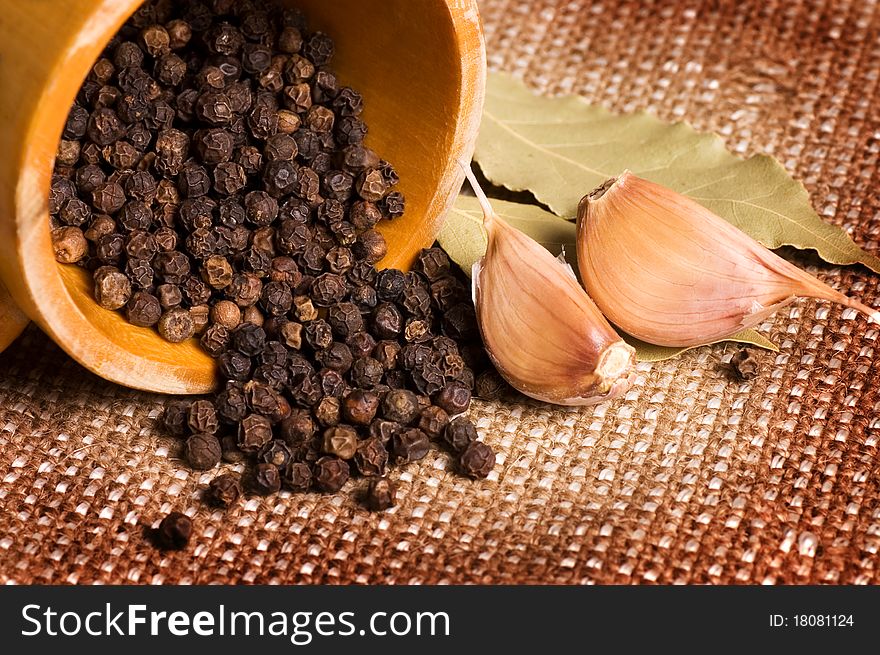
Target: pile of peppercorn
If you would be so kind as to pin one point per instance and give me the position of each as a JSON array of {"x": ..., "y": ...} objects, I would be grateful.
[{"x": 213, "y": 177}]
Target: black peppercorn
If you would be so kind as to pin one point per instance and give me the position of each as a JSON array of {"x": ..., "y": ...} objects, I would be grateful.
[
  {"x": 175, "y": 418},
  {"x": 389, "y": 284},
  {"x": 381, "y": 494},
  {"x": 417, "y": 330},
  {"x": 215, "y": 340},
  {"x": 401, "y": 406},
  {"x": 214, "y": 108},
  {"x": 249, "y": 339},
  {"x": 202, "y": 451},
  {"x": 298, "y": 69},
  {"x": 305, "y": 390},
  {"x": 169, "y": 295},
  {"x": 280, "y": 177},
  {"x": 359, "y": 407},
  {"x": 345, "y": 319},
  {"x": 460, "y": 322},
  {"x": 171, "y": 148},
  {"x": 112, "y": 288},
  {"x": 266, "y": 401},
  {"x": 433, "y": 263},
  {"x": 366, "y": 372},
  {"x": 101, "y": 226},
  {"x": 170, "y": 69},
  {"x": 104, "y": 127},
  {"x": 384, "y": 430},
  {"x": 176, "y": 325},
  {"x": 332, "y": 383},
  {"x": 202, "y": 417},
  {"x": 447, "y": 292},
  {"x": 276, "y": 298},
  {"x": 318, "y": 334},
  {"x": 276, "y": 377},
  {"x": 265, "y": 479},
  {"x": 75, "y": 212},
  {"x": 428, "y": 379},
  {"x": 297, "y": 428},
  {"x": 143, "y": 310},
  {"x": 276, "y": 452},
  {"x": 459, "y": 433},
  {"x": 319, "y": 48},
  {"x": 108, "y": 198},
  {"x": 328, "y": 289},
  {"x": 312, "y": 258},
  {"x": 234, "y": 366},
  {"x": 361, "y": 344},
  {"x": 245, "y": 289},
  {"x": 393, "y": 205},
  {"x": 341, "y": 441},
  {"x": 490, "y": 385},
  {"x": 194, "y": 291},
  {"x": 330, "y": 474},
  {"x": 328, "y": 411},
  {"x": 280, "y": 147},
  {"x": 77, "y": 120},
  {"x": 371, "y": 457},
  {"x": 477, "y": 460},
  {"x": 348, "y": 102},
  {"x": 350, "y": 130},
  {"x": 224, "y": 490},
  {"x": 409, "y": 445},
  {"x": 387, "y": 321},
  {"x": 433, "y": 421},
  {"x": 744, "y": 365},
  {"x": 89, "y": 178},
  {"x": 454, "y": 398},
  {"x": 231, "y": 403},
  {"x": 254, "y": 432},
  {"x": 297, "y": 476},
  {"x": 60, "y": 190},
  {"x": 174, "y": 531}
]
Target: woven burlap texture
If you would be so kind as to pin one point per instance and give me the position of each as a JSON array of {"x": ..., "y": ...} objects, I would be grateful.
[{"x": 693, "y": 478}]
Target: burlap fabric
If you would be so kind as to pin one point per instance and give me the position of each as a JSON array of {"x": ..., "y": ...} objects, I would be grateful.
[{"x": 693, "y": 478}]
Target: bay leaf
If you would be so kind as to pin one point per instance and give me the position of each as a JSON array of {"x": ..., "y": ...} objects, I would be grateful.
[
  {"x": 648, "y": 352},
  {"x": 561, "y": 148},
  {"x": 463, "y": 239}
]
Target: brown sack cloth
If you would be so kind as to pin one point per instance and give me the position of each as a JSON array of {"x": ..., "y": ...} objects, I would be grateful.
[{"x": 693, "y": 478}]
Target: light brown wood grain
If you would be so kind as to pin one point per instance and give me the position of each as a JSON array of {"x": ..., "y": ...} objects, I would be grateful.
[
  {"x": 420, "y": 66},
  {"x": 12, "y": 321}
]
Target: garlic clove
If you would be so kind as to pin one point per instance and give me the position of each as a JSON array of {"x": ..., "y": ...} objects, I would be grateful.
[
  {"x": 670, "y": 272},
  {"x": 541, "y": 330}
]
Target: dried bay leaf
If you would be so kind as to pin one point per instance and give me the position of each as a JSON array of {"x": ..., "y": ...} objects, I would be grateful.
[
  {"x": 463, "y": 239},
  {"x": 562, "y": 148},
  {"x": 648, "y": 352}
]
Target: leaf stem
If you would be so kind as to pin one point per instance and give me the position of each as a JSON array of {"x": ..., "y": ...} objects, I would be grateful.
[{"x": 488, "y": 213}]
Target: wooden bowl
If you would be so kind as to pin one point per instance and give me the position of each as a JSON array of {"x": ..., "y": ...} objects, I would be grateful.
[{"x": 420, "y": 66}]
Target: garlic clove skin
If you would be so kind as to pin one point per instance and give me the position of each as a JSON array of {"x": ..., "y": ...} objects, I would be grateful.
[
  {"x": 668, "y": 271},
  {"x": 541, "y": 330}
]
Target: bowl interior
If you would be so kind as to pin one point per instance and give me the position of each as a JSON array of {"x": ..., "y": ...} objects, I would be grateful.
[{"x": 405, "y": 58}]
